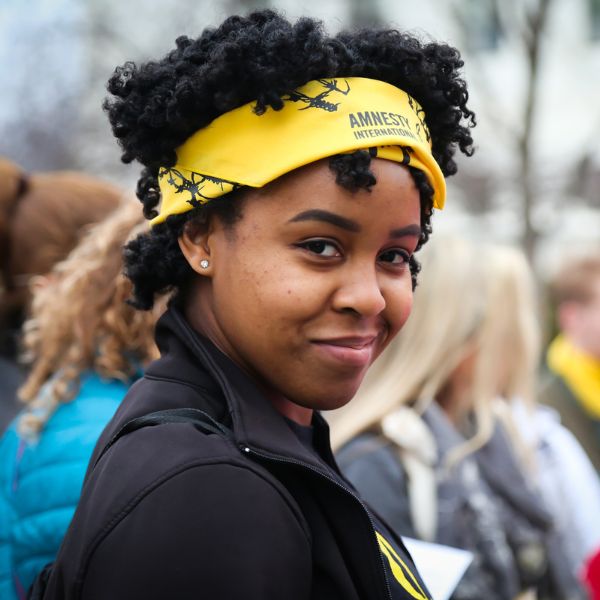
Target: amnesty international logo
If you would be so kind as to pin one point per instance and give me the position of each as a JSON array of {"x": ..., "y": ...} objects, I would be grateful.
[{"x": 330, "y": 86}]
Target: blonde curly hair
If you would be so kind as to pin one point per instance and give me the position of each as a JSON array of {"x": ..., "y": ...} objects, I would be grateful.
[{"x": 80, "y": 320}]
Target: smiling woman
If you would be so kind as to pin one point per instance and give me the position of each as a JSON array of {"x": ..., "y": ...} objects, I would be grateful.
[
  {"x": 290, "y": 177},
  {"x": 324, "y": 278}
]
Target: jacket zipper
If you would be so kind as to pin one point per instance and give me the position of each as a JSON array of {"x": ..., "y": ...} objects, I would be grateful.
[{"x": 283, "y": 459}]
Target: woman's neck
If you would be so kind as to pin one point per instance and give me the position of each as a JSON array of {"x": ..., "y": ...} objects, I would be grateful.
[{"x": 290, "y": 410}]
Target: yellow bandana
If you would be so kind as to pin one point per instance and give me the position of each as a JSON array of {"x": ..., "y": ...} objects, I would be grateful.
[
  {"x": 320, "y": 119},
  {"x": 580, "y": 371}
]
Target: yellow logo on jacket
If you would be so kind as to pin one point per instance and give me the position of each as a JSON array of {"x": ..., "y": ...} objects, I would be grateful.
[{"x": 400, "y": 570}]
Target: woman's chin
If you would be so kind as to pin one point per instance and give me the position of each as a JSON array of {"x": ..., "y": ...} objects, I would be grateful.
[{"x": 331, "y": 401}]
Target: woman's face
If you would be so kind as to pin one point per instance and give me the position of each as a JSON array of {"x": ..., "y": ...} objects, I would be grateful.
[{"x": 311, "y": 284}]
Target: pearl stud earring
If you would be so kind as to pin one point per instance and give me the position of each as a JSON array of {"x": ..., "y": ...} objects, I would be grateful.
[{"x": 204, "y": 263}]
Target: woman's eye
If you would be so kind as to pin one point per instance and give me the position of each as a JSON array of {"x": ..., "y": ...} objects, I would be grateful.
[
  {"x": 321, "y": 248},
  {"x": 395, "y": 257}
]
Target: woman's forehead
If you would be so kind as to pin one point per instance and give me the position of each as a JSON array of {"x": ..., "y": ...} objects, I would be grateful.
[{"x": 311, "y": 194}]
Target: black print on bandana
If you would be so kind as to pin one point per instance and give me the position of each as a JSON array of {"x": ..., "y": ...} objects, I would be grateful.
[
  {"x": 406, "y": 152},
  {"x": 318, "y": 101},
  {"x": 421, "y": 116},
  {"x": 194, "y": 185}
]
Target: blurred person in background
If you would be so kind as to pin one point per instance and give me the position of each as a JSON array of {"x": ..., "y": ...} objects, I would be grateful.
[
  {"x": 552, "y": 457},
  {"x": 423, "y": 445},
  {"x": 86, "y": 346},
  {"x": 572, "y": 385},
  {"x": 41, "y": 220}
]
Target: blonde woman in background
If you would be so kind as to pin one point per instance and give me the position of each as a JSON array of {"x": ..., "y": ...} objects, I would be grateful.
[
  {"x": 555, "y": 459},
  {"x": 86, "y": 346},
  {"x": 422, "y": 443}
]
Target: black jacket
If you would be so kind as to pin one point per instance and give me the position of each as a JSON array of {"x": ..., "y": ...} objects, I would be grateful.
[{"x": 171, "y": 512}]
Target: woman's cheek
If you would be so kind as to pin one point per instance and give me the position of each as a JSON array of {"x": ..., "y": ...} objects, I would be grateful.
[{"x": 402, "y": 308}]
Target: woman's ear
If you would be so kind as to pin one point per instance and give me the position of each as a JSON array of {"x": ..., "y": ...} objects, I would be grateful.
[{"x": 195, "y": 246}]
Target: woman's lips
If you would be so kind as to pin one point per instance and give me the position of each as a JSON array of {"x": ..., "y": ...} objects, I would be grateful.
[{"x": 354, "y": 351}]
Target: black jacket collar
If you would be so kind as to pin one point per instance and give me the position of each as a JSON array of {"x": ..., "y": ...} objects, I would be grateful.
[{"x": 193, "y": 360}]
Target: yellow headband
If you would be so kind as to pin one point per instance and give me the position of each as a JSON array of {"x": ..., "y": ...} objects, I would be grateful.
[{"x": 322, "y": 118}]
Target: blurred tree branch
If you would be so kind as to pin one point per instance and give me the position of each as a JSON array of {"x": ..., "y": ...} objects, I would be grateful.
[
  {"x": 533, "y": 35},
  {"x": 522, "y": 24},
  {"x": 477, "y": 70}
]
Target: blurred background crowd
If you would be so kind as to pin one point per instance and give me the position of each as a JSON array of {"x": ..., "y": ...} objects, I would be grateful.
[
  {"x": 487, "y": 438},
  {"x": 531, "y": 66}
]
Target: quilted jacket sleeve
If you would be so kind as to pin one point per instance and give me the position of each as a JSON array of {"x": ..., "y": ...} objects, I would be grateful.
[{"x": 40, "y": 482}]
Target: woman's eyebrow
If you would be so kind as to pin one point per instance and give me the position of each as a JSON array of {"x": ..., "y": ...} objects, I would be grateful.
[
  {"x": 327, "y": 217},
  {"x": 409, "y": 230},
  {"x": 350, "y": 225}
]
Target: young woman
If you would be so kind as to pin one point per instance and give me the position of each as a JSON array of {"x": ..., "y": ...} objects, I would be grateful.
[
  {"x": 86, "y": 347},
  {"x": 431, "y": 446},
  {"x": 289, "y": 177}
]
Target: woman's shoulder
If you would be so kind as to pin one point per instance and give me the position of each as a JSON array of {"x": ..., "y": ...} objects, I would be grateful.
[
  {"x": 72, "y": 430},
  {"x": 161, "y": 455},
  {"x": 366, "y": 446},
  {"x": 212, "y": 508},
  {"x": 369, "y": 455},
  {"x": 180, "y": 490},
  {"x": 63, "y": 447},
  {"x": 94, "y": 403},
  {"x": 96, "y": 396}
]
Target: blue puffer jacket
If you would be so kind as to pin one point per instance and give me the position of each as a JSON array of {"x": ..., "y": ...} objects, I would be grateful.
[{"x": 40, "y": 481}]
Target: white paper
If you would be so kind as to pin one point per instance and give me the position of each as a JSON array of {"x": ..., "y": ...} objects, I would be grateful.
[{"x": 440, "y": 567}]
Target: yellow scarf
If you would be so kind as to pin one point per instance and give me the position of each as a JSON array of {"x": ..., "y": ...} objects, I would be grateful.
[
  {"x": 580, "y": 371},
  {"x": 320, "y": 119}
]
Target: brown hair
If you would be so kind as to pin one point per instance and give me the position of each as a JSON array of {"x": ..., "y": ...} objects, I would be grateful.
[
  {"x": 80, "y": 319},
  {"x": 575, "y": 281},
  {"x": 41, "y": 217}
]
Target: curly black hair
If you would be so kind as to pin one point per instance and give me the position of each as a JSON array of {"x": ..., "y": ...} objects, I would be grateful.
[{"x": 262, "y": 58}]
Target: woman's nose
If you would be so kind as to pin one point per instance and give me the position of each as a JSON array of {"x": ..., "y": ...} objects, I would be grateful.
[{"x": 360, "y": 292}]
